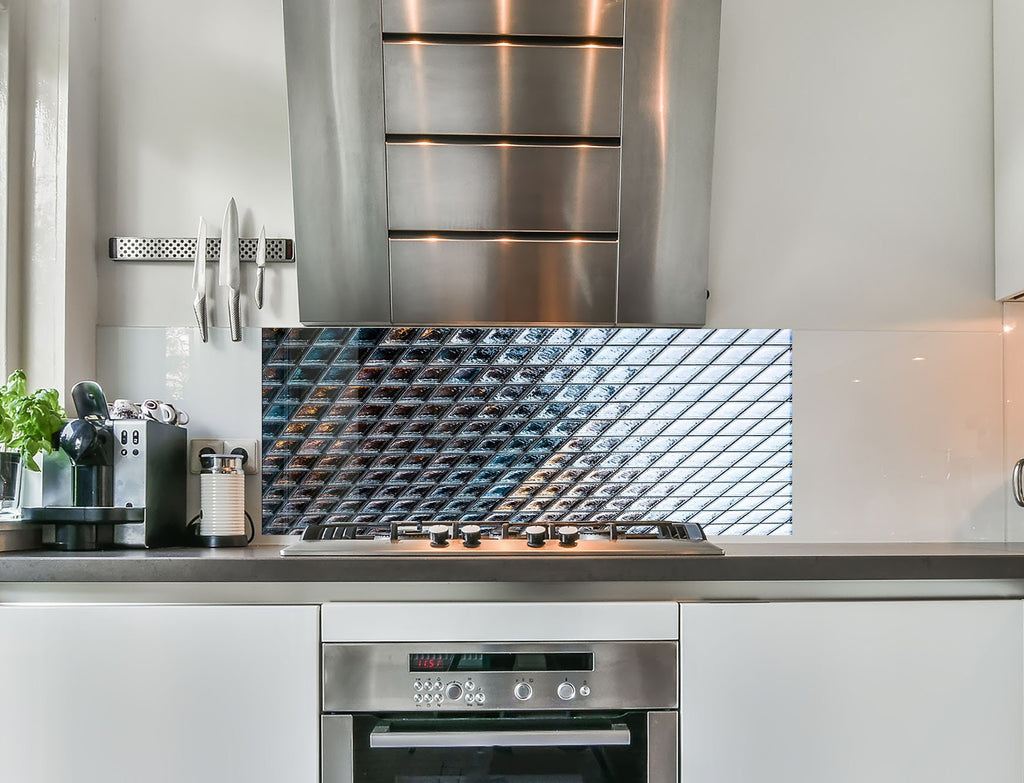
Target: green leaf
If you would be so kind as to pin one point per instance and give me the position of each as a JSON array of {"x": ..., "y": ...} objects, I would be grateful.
[{"x": 28, "y": 422}]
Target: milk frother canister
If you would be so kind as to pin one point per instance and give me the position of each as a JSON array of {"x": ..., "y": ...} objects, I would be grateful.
[{"x": 222, "y": 498}]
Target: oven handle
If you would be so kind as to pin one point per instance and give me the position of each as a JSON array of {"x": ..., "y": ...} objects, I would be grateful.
[{"x": 383, "y": 737}]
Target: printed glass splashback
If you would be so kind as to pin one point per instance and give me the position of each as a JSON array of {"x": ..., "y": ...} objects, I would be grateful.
[{"x": 528, "y": 424}]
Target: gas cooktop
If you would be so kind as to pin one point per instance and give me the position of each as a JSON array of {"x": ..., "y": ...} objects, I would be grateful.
[{"x": 455, "y": 539}]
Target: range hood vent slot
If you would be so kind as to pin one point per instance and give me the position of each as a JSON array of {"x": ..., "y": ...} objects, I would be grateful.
[{"x": 566, "y": 18}]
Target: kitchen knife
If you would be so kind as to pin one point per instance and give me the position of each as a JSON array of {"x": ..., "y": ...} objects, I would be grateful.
[
  {"x": 229, "y": 274},
  {"x": 261, "y": 262},
  {"x": 199, "y": 281}
]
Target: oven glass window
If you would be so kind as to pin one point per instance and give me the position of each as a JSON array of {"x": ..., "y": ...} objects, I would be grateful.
[{"x": 482, "y": 759}]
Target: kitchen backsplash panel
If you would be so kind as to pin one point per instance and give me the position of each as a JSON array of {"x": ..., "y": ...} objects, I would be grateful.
[{"x": 522, "y": 424}]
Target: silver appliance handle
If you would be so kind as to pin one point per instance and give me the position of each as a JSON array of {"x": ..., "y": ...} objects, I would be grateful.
[
  {"x": 383, "y": 737},
  {"x": 1018, "y": 487}
]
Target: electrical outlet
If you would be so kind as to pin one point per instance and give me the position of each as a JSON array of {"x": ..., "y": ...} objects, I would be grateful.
[
  {"x": 249, "y": 449},
  {"x": 198, "y": 446}
]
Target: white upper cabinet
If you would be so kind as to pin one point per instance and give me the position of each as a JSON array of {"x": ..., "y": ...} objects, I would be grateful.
[{"x": 1008, "y": 97}]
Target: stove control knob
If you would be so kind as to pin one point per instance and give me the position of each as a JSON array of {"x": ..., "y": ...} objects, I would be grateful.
[
  {"x": 453, "y": 692},
  {"x": 535, "y": 535},
  {"x": 522, "y": 691},
  {"x": 438, "y": 535},
  {"x": 568, "y": 535},
  {"x": 566, "y": 691},
  {"x": 471, "y": 535}
]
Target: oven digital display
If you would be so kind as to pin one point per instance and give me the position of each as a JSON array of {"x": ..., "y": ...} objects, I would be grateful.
[{"x": 502, "y": 662}]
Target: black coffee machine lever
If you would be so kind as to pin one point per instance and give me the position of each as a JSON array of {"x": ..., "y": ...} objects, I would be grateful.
[{"x": 90, "y": 401}]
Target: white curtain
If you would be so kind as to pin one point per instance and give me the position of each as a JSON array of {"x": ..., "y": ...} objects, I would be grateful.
[
  {"x": 5, "y": 195},
  {"x": 48, "y": 56}
]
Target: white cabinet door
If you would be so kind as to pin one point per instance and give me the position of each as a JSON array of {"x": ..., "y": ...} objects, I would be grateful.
[
  {"x": 880, "y": 692},
  {"x": 1008, "y": 111},
  {"x": 161, "y": 694}
]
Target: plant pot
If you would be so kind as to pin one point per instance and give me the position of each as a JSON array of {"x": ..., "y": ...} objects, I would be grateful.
[{"x": 11, "y": 469}]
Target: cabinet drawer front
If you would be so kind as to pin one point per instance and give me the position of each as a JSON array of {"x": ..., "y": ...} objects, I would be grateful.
[
  {"x": 504, "y": 281},
  {"x": 502, "y": 89},
  {"x": 598, "y": 18},
  {"x": 495, "y": 187}
]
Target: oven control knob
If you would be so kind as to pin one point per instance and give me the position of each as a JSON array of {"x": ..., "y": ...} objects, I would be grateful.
[
  {"x": 566, "y": 691},
  {"x": 471, "y": 535},
  {"x": 453, "y": 692},
  {"x": 568, "y": 535},
  {"x": 522, "y": 691},
  {"x": 535, "y": 535},
  {"x": 438, "y": 535},
  {"x": 584, "y": 690}
]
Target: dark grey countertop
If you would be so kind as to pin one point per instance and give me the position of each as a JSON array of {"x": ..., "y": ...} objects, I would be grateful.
[{"x": 743, "y": 562}]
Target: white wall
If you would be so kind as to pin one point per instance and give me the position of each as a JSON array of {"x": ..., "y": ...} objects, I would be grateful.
[
  {"x": 852, "y": 202},
  {"x": 194, "y": 112}
]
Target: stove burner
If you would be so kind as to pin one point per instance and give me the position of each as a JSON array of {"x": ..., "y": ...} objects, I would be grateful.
[
  {"x": 455, "y": 538},
  {"x": 473, "y": 532}
]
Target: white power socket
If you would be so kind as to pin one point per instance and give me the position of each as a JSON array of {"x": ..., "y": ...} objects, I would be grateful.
[
  {"x": 198, "y": 446},
  {"x": 249, "y": 449}
]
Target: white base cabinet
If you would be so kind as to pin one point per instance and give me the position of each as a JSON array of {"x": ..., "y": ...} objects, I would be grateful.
[
  {"x": 161, "y": 694},
  {"x": 858, "y": 692}
]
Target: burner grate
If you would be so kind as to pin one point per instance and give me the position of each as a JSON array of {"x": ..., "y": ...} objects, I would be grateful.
[{"x": 609, "y": 531}]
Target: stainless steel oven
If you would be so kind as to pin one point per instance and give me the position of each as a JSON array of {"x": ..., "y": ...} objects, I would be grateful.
[{"x": 523, "y": 712}]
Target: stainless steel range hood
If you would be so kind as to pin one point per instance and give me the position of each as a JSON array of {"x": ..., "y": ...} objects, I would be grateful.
[{"x": 502, "y": 161}]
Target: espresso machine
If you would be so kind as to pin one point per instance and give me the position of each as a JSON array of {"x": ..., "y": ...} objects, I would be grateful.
[{"x": 112, "y": 483}]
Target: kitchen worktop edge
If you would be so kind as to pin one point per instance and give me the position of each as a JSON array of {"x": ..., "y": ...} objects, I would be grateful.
[{"x": 743, "y": 562}]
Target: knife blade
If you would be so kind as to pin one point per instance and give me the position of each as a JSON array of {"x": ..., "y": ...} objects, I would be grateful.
[
  {"x": 261, "y": 262},
  {"x": 199, "y": 282},
  {"x": 229, "y": 272}
]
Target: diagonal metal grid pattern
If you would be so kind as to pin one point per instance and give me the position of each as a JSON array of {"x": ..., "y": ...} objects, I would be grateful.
[{"x": 491, "y": 425}]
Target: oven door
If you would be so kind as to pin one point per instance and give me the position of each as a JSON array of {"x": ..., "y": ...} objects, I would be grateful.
[{"x": 631, "y": 747}]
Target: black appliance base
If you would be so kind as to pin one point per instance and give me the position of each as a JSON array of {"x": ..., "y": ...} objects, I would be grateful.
[
  {"x": 87, "y": 515},
  {"x": 83, "y": 528},
  {"x": 219, "y": 541}
]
